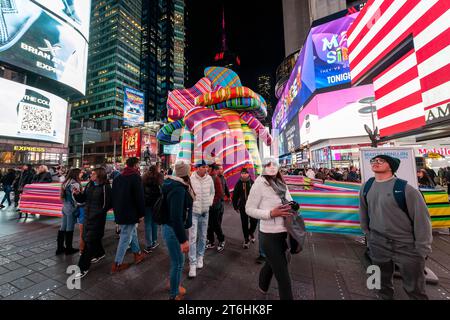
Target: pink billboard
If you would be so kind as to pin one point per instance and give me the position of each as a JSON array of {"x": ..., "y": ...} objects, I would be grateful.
[{"x": 337, "y": 114}]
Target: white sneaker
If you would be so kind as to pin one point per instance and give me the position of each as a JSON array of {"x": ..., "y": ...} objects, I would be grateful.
[
  {"x": 199, "y": 262},
  {"x": 192, "y": 271}
]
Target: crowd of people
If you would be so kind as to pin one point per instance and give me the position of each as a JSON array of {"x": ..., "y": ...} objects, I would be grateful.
[{"x": 188, "y": 207}]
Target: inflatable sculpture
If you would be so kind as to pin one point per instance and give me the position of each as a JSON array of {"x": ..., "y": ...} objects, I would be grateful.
[{"x": 217, "y": 120}]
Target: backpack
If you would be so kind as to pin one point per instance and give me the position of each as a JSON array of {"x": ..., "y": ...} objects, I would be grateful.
[
  {"x": 398, "y": 191},
  {"x": 160, "y": 212}
]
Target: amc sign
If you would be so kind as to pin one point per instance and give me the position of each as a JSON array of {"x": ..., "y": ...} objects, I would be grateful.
[{"x": 437, "y": 114}]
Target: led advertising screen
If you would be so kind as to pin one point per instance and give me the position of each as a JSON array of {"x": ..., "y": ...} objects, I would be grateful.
[
  {"x": 35, "y": 39},
  {"x": 131, "y": 143},
  {"x": 133, "y": 114},
  {"x": 338, "y": 114},
  {"x": 149, "y": 146},
  {"x": 291, "y": 136},
  {"x": 322, "y": 63},
  {"x": 30, "y": 113}
]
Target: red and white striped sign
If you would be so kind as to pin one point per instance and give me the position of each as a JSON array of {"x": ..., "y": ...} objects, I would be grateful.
[{"x": 420, "y": 80}]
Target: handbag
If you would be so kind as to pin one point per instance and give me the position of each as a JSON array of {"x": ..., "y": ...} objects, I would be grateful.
[{"x": 295, "y": 225}]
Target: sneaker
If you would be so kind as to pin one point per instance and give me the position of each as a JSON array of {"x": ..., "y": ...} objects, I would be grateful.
[
  {"x": 1, "y": 206},
  {"x": 181, "y": 291},
  {"x": 119, "y": 267},
  {"x": 148, "y": 250},
  {"x": 221, "y": 246},
  {"x": 199, "y": 262},
  {"x": 81, "y": 274},
  {"x": 246, "y": 244},
  {"x": 210, "y": 245},
  {"x": 95, "y": 260},
  {"x": 261, "y": 290},
  {"x": 260, "y": 260},
  {"x": 154, "y": 246},
  {"x": 178, "y": 297},
  {"x": 192, "y": 271},
  {"x": 252, "y": 238}
]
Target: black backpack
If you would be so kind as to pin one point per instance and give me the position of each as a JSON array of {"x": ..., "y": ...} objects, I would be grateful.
[{"x": 160, "y": 212}]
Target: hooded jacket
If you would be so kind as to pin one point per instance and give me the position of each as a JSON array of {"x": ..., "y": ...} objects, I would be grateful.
[
  {"x": 204, "y": 193},
  {"x": 128, "y": 197},
  {"x": 241, "y": 193}
]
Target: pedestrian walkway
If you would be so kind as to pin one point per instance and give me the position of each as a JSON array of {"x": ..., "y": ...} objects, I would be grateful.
[{"x": 331, "y": 267}]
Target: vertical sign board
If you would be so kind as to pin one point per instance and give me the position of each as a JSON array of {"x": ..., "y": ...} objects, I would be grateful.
[
  {"x": 134, "y": 107},
  {"x": 131, "y": 143},
  {"x": 406, "y": 171}
]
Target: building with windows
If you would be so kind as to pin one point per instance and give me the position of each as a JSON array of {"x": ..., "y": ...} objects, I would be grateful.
[
  {"x": 163, "y": 53},
  {"x": 113, "y": 63},
  {"x": 264, "y": 85}
]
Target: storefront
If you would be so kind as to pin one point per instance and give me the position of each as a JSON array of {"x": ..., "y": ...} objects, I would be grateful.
[{"x": 14, "y": 155}]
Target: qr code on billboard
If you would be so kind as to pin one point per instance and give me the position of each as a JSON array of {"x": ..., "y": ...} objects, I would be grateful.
[{"x": 36, "y": 119}]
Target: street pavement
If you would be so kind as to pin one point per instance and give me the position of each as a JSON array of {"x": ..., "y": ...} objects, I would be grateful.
[{"x": 332, "y": 267}]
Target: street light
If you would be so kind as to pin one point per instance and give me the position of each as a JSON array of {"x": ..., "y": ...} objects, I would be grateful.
[{"x": 373, "y": 133}]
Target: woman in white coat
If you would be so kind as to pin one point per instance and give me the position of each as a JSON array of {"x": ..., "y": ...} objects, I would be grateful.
[{"x": 264, "y": 204}]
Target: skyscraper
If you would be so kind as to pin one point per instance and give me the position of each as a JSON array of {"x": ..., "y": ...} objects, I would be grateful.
[
  {"x": 265, "y": 88},
  {"x": 113, "y": 63},
  {"x": 163, "y": 62}
]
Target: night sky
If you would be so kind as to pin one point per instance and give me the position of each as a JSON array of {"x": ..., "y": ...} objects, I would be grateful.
[{"x": 254, "y": 32}]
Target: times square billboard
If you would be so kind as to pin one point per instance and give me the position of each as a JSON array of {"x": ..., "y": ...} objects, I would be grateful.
[
  {"x": 47, "y": 37},
  {"x": 322, "y": 63}
]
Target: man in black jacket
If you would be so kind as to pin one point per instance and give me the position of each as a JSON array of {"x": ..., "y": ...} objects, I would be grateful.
[
  {"x": 26, "y": 177},
  {"x": 7, "y": 182},
  {"x": 129, "y": 208},
  {"x": 240, "y": 196}
]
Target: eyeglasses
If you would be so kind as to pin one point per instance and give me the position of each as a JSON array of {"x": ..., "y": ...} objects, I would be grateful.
[{"x": 378, "y": 161}]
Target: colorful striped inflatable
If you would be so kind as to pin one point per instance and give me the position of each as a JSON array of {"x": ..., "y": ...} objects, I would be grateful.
[
  {"x": 44, "y": 199},
  {"x": 222, "y": 77}
]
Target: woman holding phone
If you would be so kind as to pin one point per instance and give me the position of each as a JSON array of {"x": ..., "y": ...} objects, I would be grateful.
[{"x": 265, "y": 204}]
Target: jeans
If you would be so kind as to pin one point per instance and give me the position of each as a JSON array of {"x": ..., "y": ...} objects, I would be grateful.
[
  {"x": 215, "y": 223},
  {"x": 7, "y": 197},
  {"x": 197, "y": 236},
  {"x": 128, "y": 234},
  {"x": 275, "y": 246},
  {"x": 386, "y": 253},
  {"x": 176, "y": 259},
  {"x": 245, "y": 220},
  {"x": 69, "y": 220},
  {"x": 92, "y": 249},
  {"x": 151, "y": 228}
]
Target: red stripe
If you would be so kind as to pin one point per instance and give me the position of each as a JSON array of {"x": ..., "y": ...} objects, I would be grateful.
[
  {"x": 396, "y": 83},
  {"x": 436, "y": 78},
  {"x": 384, "y": 6},
  {"x": 400, "y": 105},
  {"x": 362, "y": 13},
  {"x": 437, "y": 104},
  {"x": 437, "y": 44},
  {"x": 386, "y": 29},
  {"x": 329, "y": 220},
  {"x": 431, "y": 15},
  {"x": 403, "y": 127}
]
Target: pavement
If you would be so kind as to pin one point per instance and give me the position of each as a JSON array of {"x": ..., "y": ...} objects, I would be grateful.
[{"x": 332, "y": 267}]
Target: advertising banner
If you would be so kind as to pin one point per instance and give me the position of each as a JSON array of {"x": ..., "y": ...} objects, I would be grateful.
[
  {"x": 30, "y": 113},
  {"x": 337, "y": 114},
  {"x": 133, "y": 114},
  {"x": 406, "y": 171},
  {"x": 149, "y": 146},
  {"x": 36, "y": 40},
  {"x": 131, "y": 143},
  {"x": 291, "y": 134},
  {"x": 323, "y": 62}
]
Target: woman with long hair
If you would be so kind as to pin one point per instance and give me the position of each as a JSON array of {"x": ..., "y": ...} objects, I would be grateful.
[
  {"x": 179, "y": 196},
  {"x": 152, "y": 181},
  {"x": 424, "y": 179},
  {"x": 97, "y": 199},
  {"x": 69, "y": 211},
  {"x": 265, "y": 203}
]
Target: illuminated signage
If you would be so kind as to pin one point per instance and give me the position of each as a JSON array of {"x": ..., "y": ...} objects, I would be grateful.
[{"x": 30, "y": 149}]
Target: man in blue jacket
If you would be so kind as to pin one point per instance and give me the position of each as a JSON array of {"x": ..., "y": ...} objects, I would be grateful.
[{"x": 129, "y": 208}]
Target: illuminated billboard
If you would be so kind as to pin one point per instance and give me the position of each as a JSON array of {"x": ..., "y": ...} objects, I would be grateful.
[
  {"x": 53, "y": 45},
  {"x": 323, "y": 62},
  {"x": 131, "y": 143},
  {"x": 30, "y": 113},
  {"x": 134, "y": 107},
  {"x": 338, "y": 114}
]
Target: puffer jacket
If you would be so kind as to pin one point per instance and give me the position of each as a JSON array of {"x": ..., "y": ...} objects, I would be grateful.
[
  {"x": 261, "y": 200},
  {"x": 204, "y": 193}
]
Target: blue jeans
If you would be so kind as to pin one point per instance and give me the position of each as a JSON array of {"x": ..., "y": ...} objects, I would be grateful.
[
  {"x": 151, "y": 228},
  {"x": 69, "y": 219},
  {"x": 197, "y": 236},
  {"x": 7, "y": 197},
  {"x": 176, "y": 259},
  {"x": 128, "y": 234}
]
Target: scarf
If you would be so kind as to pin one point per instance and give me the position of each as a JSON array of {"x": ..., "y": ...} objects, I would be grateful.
[
  {"x": 279, "y": 187},
  {"x": 130, "y": 171}
]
